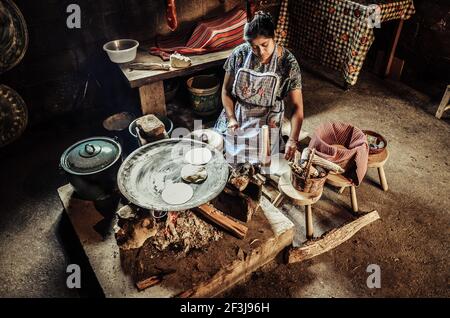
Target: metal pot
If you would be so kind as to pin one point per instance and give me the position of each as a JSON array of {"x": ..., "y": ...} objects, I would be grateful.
[{"x": 91, "y": 167}]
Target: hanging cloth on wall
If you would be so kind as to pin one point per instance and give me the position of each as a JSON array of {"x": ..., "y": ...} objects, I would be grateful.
[{"x": 211, "y": 35}]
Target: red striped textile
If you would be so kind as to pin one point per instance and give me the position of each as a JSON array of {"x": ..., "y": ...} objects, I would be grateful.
[
  {"x": 353, "y": 158},
  {"x": 212, "y": 35}
]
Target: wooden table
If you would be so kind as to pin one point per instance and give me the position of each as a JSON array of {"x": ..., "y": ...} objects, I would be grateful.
[
  {"x": 150, "y": 83},
  {"x": 337, "y": 34}
]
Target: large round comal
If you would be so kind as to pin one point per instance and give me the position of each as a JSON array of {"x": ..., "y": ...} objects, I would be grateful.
[
  {"x": 91, "y": 167},
  {"x": 156, "y": 167}
]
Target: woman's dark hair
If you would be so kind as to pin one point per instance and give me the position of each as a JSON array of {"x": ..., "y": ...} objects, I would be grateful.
[{"x": 261, "y": 24}]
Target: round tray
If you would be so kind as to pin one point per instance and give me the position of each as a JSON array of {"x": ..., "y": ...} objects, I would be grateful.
[
  {"x": 144, "y": 173},
  {"x": 13, "y": 35},
  {"x": 13, "y": 115}
]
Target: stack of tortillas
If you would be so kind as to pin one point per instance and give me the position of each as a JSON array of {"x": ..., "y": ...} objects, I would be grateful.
[{"x": 193, "y": 172}]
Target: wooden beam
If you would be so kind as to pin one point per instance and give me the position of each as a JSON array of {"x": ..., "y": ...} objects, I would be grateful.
[
  {"x": 214, "y": 215},
  {"x": 153, "y": 100},
  {"x": 330, "y": 239}
]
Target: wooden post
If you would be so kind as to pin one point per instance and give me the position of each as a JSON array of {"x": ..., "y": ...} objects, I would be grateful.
[
  {"x": 393, "y": 47},
  {"x": 152, "y": 98},
  {"x": 353, "y": 199},
  {"x": 383, "y": 180},
  {"x": 309, "y": 222}
]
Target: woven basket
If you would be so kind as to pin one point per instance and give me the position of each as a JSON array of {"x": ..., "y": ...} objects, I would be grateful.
[{"x": 311, "y": 185}]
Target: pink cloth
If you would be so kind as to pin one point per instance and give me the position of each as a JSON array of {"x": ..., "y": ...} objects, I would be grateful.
[{"x": 353, "y": 158}]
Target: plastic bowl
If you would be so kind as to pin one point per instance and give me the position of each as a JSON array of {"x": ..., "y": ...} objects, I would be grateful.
[{"x": 121, "y": 51}]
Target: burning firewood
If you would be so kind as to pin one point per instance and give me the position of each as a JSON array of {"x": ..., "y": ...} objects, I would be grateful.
[
  {"x": 241, "y": 175},
  {"x": 132, "y": 229}
]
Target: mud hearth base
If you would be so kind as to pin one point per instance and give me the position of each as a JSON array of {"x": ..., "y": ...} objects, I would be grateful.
[{"x": 269, "y": 232}]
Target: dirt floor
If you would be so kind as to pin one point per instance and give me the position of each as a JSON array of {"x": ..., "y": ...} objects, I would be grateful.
[{"x": 409, "y": 243}]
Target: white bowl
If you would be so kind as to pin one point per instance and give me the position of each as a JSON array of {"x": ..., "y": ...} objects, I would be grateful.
[{"x": 121, "y": 51}]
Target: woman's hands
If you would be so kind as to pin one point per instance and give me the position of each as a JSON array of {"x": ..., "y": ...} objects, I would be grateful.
[
  {"x": 291, "y": 147},
  {"x": 233, "y": 124}
]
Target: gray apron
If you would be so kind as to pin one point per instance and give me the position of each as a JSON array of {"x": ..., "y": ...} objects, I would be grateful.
[{"x": 256, "y": 105}]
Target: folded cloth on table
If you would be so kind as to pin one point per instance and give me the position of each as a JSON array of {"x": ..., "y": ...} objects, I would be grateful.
[
  {"x": 211, "y": 35},
  {"x": 353, "y": 158}
]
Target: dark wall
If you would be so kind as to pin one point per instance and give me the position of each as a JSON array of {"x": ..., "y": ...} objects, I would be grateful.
[
  {"x": 65, "y": 70},
  {"x": 425, "y": 47}
]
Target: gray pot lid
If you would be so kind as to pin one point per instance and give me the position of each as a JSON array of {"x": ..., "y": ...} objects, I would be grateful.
[{"x": 91, "y": 155}]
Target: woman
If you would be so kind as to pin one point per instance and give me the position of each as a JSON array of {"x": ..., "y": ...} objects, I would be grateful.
[{"x": 260, "y": 77}]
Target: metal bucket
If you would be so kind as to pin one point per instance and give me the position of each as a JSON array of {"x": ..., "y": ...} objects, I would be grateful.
[{"x": 168, "y": 125}]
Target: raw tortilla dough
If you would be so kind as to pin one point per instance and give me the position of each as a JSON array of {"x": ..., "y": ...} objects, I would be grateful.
[
  {"x": 177, "y": 193},
  {"x": 198, "y": 156},
  {"x": 194, "y": 174}
]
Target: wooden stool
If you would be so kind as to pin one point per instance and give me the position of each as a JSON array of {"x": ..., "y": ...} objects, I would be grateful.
[
  {"x": 300, "y": 198},
  {"x": 444, "y": 105},
  {"x": 338, "y": 180},
  {"x": 377, "y": 161}
]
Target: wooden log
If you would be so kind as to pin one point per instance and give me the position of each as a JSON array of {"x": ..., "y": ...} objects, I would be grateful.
[
  {"x": 214, "y": 215},
  {"x": 185, "y": 294},
  {"x": 148, "y": 282},
  {"x": 241, "y": 175},
  {"x": 330, "y": 239}
]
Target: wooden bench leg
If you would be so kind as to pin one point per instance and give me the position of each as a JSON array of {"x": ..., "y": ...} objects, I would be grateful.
[
  {"x": 353, "y": 199},
  {"x": 309, "y": 222},
  {"x": 383, "y": 180},
  {"x": 278, "y": 200},
  {"x": 153, "y": 100},
  {"x": 443, "y": 106}
]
